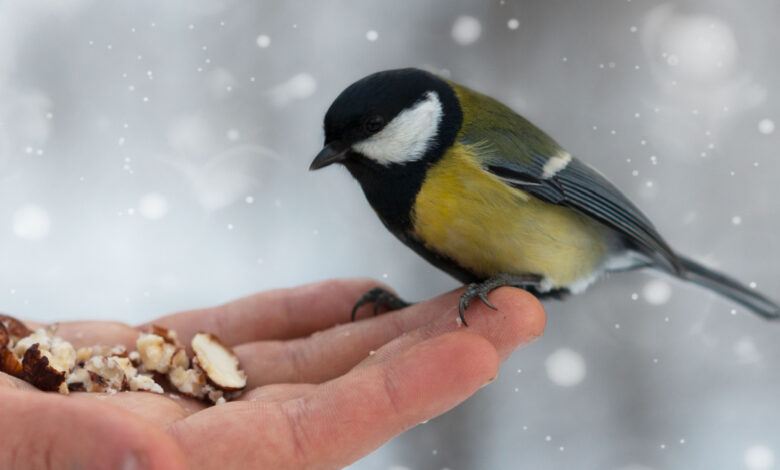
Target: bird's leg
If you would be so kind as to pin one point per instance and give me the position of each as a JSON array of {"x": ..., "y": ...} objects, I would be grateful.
[
  {"x": 380, "y": 298},
  {"x": 482, "y": 289}
]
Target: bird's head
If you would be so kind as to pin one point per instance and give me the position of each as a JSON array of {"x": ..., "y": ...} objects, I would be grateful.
[{"x": 389, "y": 119}]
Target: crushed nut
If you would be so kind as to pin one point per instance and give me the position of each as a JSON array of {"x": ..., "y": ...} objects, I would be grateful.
[
  {"x": 52, "y": 364},
  {"x": 218, "y": 361}
]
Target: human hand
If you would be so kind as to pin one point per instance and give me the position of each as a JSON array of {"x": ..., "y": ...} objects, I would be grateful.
[{"x": 317, "y": 397}]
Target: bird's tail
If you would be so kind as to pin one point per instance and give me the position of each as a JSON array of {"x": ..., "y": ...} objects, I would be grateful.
[{"x": 730, "y": 288}]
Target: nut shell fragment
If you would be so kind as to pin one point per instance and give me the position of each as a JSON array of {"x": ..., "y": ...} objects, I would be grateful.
[
  {"x": 190, "y": 382},
  {"x": 135, "y": 358},
  {"x": 80, "y": 380},
  {"x": 144, "y": 382},
  {"x": 37, "y": 370},
  {"x": 15, "y": 328},
  {"x": 218, "y": 362},
  {"x": 82, "y": 354},
  {"x": 180, "y": 359},
  {"x": 5, "y": 338},
  {"x": 169, "y": 336},
  {"x": 60, "y": 353},
  {"x": 156, "y": 353},
  {"x": 111, "y": 373},
  {"x": 10, "y": 364}
]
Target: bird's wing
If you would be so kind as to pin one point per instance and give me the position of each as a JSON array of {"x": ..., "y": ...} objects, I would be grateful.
[
  {"x": 523, "y": 156},
  {"x": 582, "y": 188}
]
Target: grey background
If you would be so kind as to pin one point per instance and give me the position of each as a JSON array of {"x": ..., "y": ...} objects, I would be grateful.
[{"x": 132, "y": 134}]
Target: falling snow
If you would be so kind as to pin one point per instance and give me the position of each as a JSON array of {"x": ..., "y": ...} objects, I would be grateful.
[
  {"x": 296, "y": 88},
  {"x": 698, "y": 47},
  {"x": 746, "y": 351},
  {"x": 657, "y": 292},
  {"x": 31, "y": 222},
  {"x": 766, "y": 126},
  {"x": 263, "y": 41},
  {"x": 759, "y": 457},
  {"x": 466, "y": 30},
  {"x": 153, "y": 206},
  {"x": 565, "y": 367}
]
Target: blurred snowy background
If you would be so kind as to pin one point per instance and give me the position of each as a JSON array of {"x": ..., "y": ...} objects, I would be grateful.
[{"x": 153, "y": 158}]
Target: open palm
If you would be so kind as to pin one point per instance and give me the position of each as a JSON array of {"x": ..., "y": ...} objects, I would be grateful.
[{"x": 320, "y": 394}]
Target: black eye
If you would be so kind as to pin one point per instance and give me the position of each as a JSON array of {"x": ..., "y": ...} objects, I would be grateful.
[{"x": 374, "y": 123}]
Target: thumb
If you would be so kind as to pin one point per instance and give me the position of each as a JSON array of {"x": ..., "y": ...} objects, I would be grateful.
[{"x": 49, "y": 431}]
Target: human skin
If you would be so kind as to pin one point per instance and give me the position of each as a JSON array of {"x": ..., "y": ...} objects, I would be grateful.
[{"x": 322, "y": 392}]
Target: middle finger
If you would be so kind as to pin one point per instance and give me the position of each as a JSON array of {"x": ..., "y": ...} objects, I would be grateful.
[{"x": 331, "y": 353}]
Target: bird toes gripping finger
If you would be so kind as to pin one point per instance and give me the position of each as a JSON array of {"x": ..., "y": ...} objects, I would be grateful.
[
  {"x": 475, "y": 290},
  {"x": 482, "y": 289},
  {"x": 380, "y": 297}
]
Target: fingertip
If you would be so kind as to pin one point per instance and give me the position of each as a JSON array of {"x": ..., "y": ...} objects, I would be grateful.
[
  {"x": 134, "y": 443},
  {"x": 527, "y": 311},
  {"x": 518, "y": 321},
  {"x": 80, "y": 434}
]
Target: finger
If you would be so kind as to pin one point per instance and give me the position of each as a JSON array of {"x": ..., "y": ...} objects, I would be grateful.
[
  {"x": 419, "y": 384},
  {"x": 160, "y": 410},
  {"x": 8, "y": 381},
  {"x": 92, "y": 333},
  {"x": 279, "y": 314},
  {"x": 46, "y": 431},
  {"x": 278, "y": 392},
  {"x": 33, "y": 325},
  {"x": 348, "y": 417},
  {"x": 520, "y": 319}
]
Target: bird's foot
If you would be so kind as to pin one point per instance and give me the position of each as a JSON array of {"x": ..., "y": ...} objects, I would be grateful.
[
  {"x": 482, "y": 289},
  {"x": 380, "y": 298}
]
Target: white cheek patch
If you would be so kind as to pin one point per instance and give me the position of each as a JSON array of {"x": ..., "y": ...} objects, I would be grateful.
[
  {"x": 408, "y": 136},
  {"x": 555, "y": 164}
]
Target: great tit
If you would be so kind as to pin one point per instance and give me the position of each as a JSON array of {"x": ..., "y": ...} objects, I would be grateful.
[{"x": 483, "y": 194}]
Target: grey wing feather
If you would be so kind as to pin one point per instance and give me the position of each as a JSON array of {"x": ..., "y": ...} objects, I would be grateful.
[{"x": 582, "y": 188}]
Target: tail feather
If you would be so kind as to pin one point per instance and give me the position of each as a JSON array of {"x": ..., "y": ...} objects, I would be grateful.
[{"x": 730, "y": 288}]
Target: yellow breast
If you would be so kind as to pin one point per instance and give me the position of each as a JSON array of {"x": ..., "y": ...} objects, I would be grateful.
[{"x": 489, "y": 227}]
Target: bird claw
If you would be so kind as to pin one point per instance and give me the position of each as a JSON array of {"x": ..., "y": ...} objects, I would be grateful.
[
  {"x": 482, "y": 289},
  {"x": 473, "y": 291},
  {"x": 484, "y": 299},
  {"x": 380, "y": 297}
]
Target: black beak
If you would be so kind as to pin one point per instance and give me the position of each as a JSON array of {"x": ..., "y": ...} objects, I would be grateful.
[{"x": 332, "y": 153}]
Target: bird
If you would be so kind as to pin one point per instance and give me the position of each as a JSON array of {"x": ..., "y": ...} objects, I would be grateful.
[{"x": 483, "y": 194}]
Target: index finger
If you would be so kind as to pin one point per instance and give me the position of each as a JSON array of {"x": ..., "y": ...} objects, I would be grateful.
[
  {"x": 277, "y": 314},
  {"x": 346, "y": 418}
]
